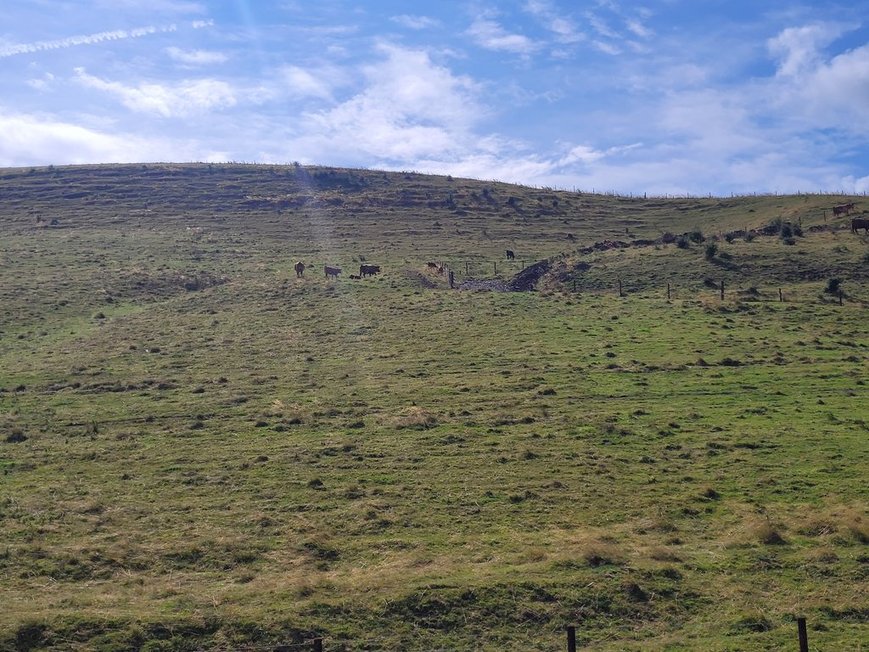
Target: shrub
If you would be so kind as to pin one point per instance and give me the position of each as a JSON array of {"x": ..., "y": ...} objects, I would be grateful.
[
  {"x": 834, "y": 285},
  {"x": 749, "y": 236},
  {"x": 711, "y": 250},
  {"x": 682, "y": 242},
  {"x": 668, "y": 238},
  {"x": 696, "y": 236},
  {"x": 786, "y": 231}
]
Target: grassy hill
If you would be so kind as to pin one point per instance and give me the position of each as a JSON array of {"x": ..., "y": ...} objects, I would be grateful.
[{"x": 200, "y": 450}]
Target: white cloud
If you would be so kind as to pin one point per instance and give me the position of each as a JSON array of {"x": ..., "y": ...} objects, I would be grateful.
[
  {"x": 306, "y": 83},
  {"x": 42, "y": 83},
  {"x": 416, "y": 22},
  {"x": 184, "y": 98},
  {"x": 155, "y": 6},
  {"x": 638, "y": 29},
  {"x": 196, "y": 57},
  {"x": 410, "y": 108},
  {"x": 815, "y": 92},
  {"x": 11, "y": 49},
  {"x": 606, "y": 48},
  {"x": 564, "y": 29},
  {"x": 32, "y": 140},
  {"x": 489, "y": 34},
  {"x": 798, "y": 48}
]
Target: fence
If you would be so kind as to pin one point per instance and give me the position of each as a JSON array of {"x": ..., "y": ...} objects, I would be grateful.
[{"x": 317, "y": 644}]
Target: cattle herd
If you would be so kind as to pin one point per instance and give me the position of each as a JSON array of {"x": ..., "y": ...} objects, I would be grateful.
[
  {"x": 372, "y": 270},
  {"x": 333, "y": 272}
]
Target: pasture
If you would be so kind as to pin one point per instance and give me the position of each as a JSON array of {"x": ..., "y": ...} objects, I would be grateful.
[{"x": 201, "y": 450}]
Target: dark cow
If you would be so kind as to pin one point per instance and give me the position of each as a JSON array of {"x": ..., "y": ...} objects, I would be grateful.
[
  {"x": 300, "y": 269},
  {"x": 368, "y": 270},
  {"x": 843, "y": 209},
  {"x": 332, "y": 271},
  {"x": 355, "y": 277},
  {"x": 860, "y": 223},
  {"x": 510, "y": 255}
]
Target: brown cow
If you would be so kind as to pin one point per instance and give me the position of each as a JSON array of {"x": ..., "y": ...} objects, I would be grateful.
[
  {"x": 300, "y": 269},
  {"x": 332, "y": 271},
  {"x": 843, "y": 209},
  {"x": 860, "y": 223}
]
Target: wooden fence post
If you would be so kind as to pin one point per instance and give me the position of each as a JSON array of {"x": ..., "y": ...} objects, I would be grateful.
[
  {"x": 467, "y": 268},
  {"x": 571, "y": 639},
  {"x": 318, "y": 645},
  {"x": 780, "y": 296},
  {"x": 668, "y": 291},
  {"x": 620, "y": 288},
  {"x": 840, "y": 297},
  {"x": 804, "y": 637},
  {"x": 722, "y": 290},
  {"x": 496, "y": 268}
]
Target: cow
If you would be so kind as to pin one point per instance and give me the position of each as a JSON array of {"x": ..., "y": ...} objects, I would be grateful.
[
  {"x": 860, "y": 223},
  {"x": 368, "y": 270},
  {"x": 843, "y": 209},
  {"x": 355, "y": 277},
  {"x": 331, "y": 271},
  {"x": 300, "y": 269},
  {"x": 510, "y": 255}
]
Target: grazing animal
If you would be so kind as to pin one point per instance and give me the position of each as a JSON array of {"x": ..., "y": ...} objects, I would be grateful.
[
  {"x": 860, "y": 223},
  {"x": 368, "y": 270},
  {"x": 300, "y": 269},
  {"x": 432, "y": 265},
  {"x": 332, "y": 271},
  {"x": 355, "y": 277},
  {"x": 510, "y": 255},
  {"x": 843, "y": 209}
]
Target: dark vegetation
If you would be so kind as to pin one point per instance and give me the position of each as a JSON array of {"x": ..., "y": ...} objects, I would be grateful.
[{"x": 199, "y": 450}]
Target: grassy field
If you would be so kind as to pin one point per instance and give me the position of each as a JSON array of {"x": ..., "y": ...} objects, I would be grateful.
[{"x": 202, "y": 451}]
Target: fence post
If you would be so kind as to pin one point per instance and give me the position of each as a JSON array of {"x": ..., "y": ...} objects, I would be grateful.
[
  {"x": 722, "y": 290},
  {"x": 571, "y": 639},
  {"x": 467, "y": 268},
  {"x": 452, "y": 280},
  {"x": 840, "y": 297},
  {"x": 668, "y": 291},
  {"x": 804, "y": 637},
  {"x": 318, "y": 645},
  {"x": 620, "y": 288},
  {"x": 496, "y": 268},
  {"x": 780, "y": 296}
]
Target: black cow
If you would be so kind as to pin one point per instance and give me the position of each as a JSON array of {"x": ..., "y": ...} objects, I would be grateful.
[
  {"x": 860, "y": 223},
  {"x": 510, "y": 255},
  {"x": 368, "y": 270},
  {"x": 332, "y": 271},
  {"x": 300, "y": 269}
]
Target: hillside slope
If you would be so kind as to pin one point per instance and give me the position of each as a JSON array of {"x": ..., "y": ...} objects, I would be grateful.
[{"x": 201, "y": 450}]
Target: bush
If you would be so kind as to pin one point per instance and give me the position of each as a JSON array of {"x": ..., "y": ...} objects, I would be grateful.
[
  {"x": 682, "y": 242},
  {"x": 696, "y": 236},
  {"x": 711, "y": 250},
  {"x": 834, "y": 286},
  {"x": 786, "y": 231},
  {"x": 749, "y": 236},
  {"x": 668, "y": 238}
]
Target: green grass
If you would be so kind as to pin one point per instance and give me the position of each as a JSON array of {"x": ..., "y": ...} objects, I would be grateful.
[{"x": 258, "y": 459}]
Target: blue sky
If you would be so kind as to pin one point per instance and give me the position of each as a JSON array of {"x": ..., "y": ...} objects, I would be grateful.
[{"x": 664, "y": 97}]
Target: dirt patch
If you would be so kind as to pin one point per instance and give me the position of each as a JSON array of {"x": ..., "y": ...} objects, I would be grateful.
[{"x": 155, "y": 286}]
